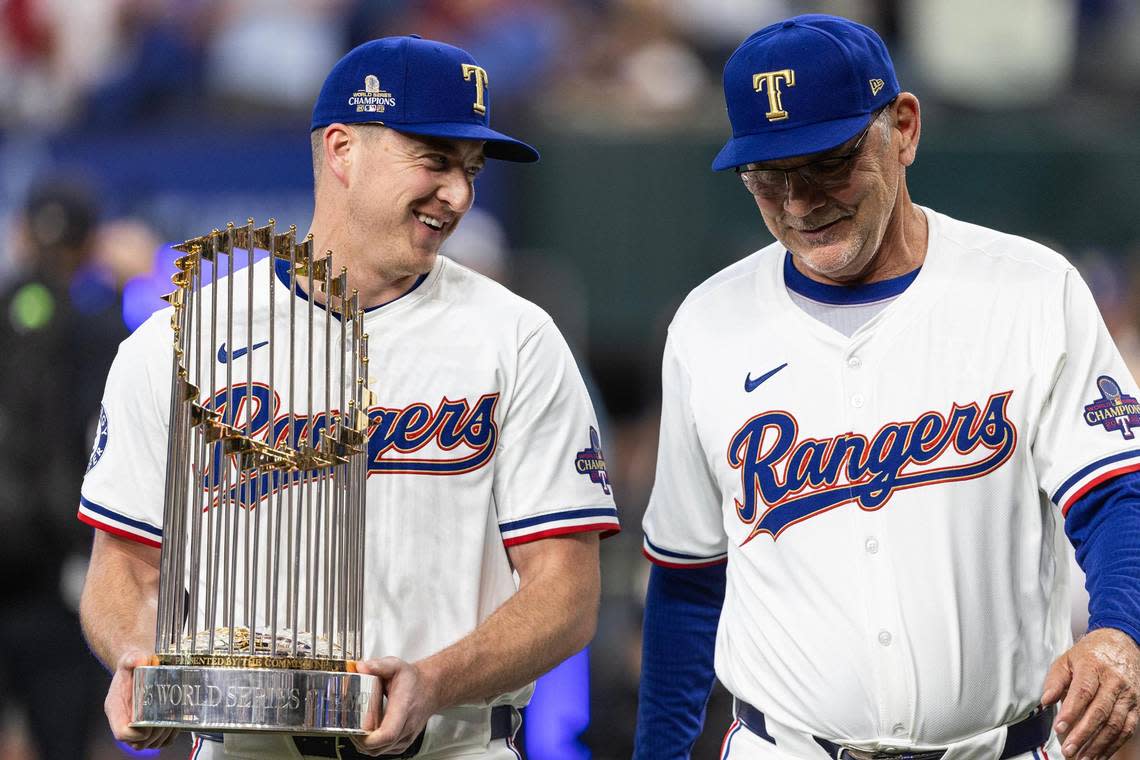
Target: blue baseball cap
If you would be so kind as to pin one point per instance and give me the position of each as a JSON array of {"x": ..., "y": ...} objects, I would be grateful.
[
  {"x": 803, "y": 86},
  {"x": 417, "y": 86}
]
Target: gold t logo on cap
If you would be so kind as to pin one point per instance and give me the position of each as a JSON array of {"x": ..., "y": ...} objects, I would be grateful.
[
  {"x": 480, "y": 74},
  {"x": 771, "y": 80}
]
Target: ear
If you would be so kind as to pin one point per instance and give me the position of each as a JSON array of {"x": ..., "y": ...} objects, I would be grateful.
[
  {"x": 908, "y": 122},
  {"x": 340, "y": 142}
]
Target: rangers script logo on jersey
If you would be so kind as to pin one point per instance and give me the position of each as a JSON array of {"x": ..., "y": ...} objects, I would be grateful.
[
  {"x": 776, "y": 468},
  {"x": 462, "y": 433}
]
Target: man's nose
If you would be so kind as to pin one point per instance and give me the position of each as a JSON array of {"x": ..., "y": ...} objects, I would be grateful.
[
  {"x": 803, "y": 197},
  {"x": 456, "y": 190}
]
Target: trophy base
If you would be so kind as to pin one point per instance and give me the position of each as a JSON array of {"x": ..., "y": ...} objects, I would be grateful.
[{"x": 313, "y": 702}]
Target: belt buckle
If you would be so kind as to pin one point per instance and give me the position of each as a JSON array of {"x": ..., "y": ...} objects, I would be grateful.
[{"x": 898, "y": 754}]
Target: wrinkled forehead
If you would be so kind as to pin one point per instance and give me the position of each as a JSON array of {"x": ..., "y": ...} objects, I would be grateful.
[{"x": 466, "y": 151}]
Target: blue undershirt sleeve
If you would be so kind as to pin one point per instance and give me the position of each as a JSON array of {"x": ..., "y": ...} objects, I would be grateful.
[
  {"x": 1104, "y": 526},
  {"x": 682, "y": 609}
]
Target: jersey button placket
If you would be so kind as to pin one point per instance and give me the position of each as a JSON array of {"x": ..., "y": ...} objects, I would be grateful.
[
  {"x": 888, "y": 653},
  {"x": 894, "y": 660},
  {"x": 854, "y": 379},
  {"x": 865, "y": 544}
]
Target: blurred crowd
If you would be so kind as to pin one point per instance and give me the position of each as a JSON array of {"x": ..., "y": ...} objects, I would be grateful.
[
  {"x": 637, "y": 64},
  {"x": 643, "y": 67}
]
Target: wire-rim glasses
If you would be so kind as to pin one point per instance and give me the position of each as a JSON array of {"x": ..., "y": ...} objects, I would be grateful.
[{"x": 825, "y": 174}]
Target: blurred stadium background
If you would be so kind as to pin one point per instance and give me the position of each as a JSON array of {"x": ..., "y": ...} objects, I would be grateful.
[{"x": 127, "y": 124}]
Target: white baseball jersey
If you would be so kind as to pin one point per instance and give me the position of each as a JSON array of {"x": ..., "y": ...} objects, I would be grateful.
[
  {"x": 890, "y": 505},
  {"x": 482, "y": 437}
]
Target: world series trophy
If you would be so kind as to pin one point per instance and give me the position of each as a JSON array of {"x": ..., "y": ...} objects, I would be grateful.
[{"x": 260, "y": 608}]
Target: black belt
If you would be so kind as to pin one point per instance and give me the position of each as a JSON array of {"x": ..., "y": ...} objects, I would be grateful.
[
  {"x": 1023, "y": 736},
  {"x": 502, "y": 726}
]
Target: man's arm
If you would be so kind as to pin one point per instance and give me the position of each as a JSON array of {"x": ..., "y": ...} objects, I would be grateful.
[
  {"x": 1099, "y": 677},
  {"x": 552, "y": 616},
  {"x": 118, "y": 611},
  {"x": 682, "y": 610}
]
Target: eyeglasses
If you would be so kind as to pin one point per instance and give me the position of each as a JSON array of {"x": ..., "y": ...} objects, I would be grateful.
[{"x": 825, "y": 174}]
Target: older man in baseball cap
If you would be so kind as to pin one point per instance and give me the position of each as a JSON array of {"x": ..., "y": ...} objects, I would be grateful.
[
  {"x": 861, "y": 489},
  {"x": 484, "y": 461}
]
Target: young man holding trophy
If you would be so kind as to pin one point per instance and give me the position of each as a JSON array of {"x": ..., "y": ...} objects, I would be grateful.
[{"x": 340, "y": 537}]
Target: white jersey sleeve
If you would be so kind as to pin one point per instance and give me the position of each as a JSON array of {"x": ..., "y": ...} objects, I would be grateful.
[
  {"x": 123, "y": 489},
  {"x": 550, "y": 471},
  {"x": 1089, "y": 422},
  {"x": 683, "y": 523}
]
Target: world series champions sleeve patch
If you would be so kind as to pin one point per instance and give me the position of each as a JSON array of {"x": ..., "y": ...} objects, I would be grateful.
[
  {"x": 1115, "y": 410},
  {"x": 592, "y": 463}
]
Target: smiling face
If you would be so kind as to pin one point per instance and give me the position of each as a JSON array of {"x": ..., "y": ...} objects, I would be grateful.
[
  {"x": 842, "y": 233},
  {"x": 406, "y": 194}
]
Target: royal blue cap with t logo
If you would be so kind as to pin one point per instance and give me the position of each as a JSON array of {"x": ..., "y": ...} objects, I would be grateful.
[
  {"x": 417, "y": 86},
  {"x": 803, "y": 86}
]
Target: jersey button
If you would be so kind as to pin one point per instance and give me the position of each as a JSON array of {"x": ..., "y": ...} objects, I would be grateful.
[
  {"x": 885, "y": 638},
  {"x": 898, "y": 729},
  {"x": 857, "y": 401},
  {"x": 872, "y": 545},
  {"x": 854, "y": 362}
]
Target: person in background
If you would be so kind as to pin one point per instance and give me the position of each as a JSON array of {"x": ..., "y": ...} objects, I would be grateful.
[{"x": 59, "y": 329}]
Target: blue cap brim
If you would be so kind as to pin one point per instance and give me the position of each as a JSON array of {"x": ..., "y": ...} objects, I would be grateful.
[
  {"x": 802, "y": 140},
  {"x": 498, "y": 145}
]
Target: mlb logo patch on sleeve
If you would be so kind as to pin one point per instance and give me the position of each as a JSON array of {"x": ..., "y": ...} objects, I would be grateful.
[
  {"x": 100, "y": 440},
  {"x": 1114, "y": 409}
]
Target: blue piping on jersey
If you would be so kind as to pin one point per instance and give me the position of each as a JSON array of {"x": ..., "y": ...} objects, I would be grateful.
[
  {"x": 120, "y": 518},
  {"x": 844, "y": 295},
  {"x": 678, "y": 555},
  {"x": 728, "y": 740},
  {"x": 1059, "y": 494},
  {"x": 281, "y": 267},
  {"x": 572, "y": 514}
]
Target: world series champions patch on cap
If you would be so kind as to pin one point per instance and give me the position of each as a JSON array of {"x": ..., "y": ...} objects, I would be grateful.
[
  {"x": 1115, "y": 410},
  {"x": 416, "y": 86},
  {"x": 803, "y": 86}
]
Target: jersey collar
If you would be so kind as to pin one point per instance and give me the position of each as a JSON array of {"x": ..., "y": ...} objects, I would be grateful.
[
  {"x": 281, "y": 267},
  {"x": 844, "y": 295}
]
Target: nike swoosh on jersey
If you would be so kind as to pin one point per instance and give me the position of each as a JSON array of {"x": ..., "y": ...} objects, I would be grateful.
[
  {"x": 751, "y": 385},
  {"x": 236, "y": 354}
]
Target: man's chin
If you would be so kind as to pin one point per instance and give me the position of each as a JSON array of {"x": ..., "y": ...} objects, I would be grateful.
[
  {"x": 414, "y": 263},
  {"x": 836, "y": 264},
  {"x": 824, "y": 258}
]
